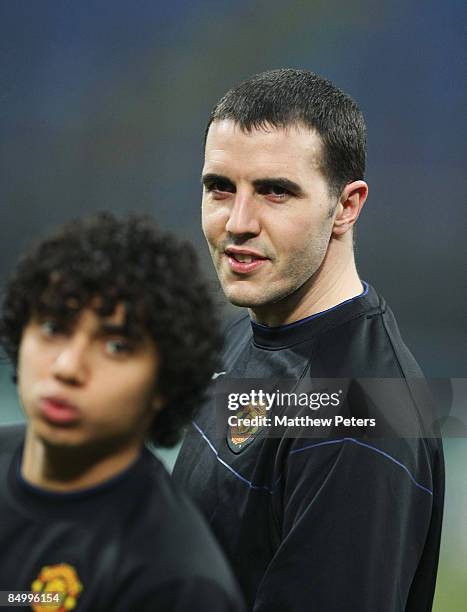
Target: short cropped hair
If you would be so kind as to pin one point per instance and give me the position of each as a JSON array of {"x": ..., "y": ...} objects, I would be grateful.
[
  {"x": 286, "y": 97},
  {"x": 155, "y": 276}
]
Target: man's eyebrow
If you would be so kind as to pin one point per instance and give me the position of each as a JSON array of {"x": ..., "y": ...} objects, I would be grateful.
[
  {"x": 119, "y": 329},
  {"x": 279, "y": 181},
  {"x": 113, "y": 328},
  {"x": 211, "y": 177}
]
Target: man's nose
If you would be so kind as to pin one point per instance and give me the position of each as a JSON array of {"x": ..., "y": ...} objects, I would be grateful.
[
  {"x": 243, "y": 219},
  {"x": 71, "y": 364}
]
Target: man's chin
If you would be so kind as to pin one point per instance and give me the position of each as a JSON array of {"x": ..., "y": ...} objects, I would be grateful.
[
  {"x": 257, "y": 298},
  {"x": 58, "y": 443},
  {"x": 244, "y": 298},
  {"x": 81, "y": 450}
]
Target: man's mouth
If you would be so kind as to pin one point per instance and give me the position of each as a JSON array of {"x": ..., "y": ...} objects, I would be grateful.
[
  {"x": 58, "y": 411},
  {"x": 243, "y": 258},
  {"x": 242, "y": 261}
]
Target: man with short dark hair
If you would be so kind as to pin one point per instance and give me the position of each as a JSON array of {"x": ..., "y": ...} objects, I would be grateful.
[
  {"x": 113, "y": 337},
  {"x": 324, "y": 519}
]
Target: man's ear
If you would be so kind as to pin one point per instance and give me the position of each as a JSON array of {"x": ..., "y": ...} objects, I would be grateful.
[{"x": 350, "y": 204}]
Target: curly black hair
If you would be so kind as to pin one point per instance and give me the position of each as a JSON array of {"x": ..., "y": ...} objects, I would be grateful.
[{"x": 154, "y": 275}]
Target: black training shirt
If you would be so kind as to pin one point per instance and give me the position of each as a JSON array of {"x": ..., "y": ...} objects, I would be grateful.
[
  {"x": 337, "y": 524},
  {"x": 133, "y": 543}
]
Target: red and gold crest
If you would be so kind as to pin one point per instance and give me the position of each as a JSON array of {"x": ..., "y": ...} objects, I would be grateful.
[
  {"x": 239, "y": 436},
  {"x": 61, "y": 578}
]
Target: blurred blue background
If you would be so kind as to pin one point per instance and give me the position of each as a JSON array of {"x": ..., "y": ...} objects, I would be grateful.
[{"x": 103, "y": 105}]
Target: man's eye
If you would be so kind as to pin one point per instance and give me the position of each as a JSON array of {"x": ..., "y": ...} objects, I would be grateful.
[
  {"x": 118, "y": 347},
  {"x": 274, "y": 190},
  {"x": 51, "y": 328},
  {"x": 219, "y": 186}
]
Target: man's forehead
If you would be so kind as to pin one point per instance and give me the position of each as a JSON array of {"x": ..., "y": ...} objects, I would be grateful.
[
  {"x": 268, "y": 147},
  {"x": 228, "y": 129},
  {"x": 118, "y": 317}
]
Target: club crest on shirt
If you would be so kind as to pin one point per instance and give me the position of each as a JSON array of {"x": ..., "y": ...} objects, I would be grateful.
[
  {"x": 241, "y": 435},
  {"x": 61, "y": 578}
]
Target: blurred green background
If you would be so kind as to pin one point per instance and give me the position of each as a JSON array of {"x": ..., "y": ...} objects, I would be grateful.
[{"x": 103, "y": 105}]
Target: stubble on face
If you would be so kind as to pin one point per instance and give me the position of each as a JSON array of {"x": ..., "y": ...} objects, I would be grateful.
[
  {"x": 296, "y": 271},
  {"x": 294, "y": 234}
]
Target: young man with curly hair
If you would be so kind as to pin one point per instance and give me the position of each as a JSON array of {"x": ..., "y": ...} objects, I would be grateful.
[{"x": 112, "y": 334}]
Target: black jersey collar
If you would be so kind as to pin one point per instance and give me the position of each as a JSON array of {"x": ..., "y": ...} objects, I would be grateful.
[
  {"x": 300, "y": 331},
  {"x": 69, "y": 504}
]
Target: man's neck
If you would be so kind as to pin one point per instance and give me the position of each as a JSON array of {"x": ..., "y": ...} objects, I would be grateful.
[
  {"x": 67, "y": 470},
  {"x": 334, "y": 282}
]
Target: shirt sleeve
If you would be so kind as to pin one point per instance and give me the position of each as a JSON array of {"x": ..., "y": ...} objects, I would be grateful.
[{"x": 352, "y": 521}]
